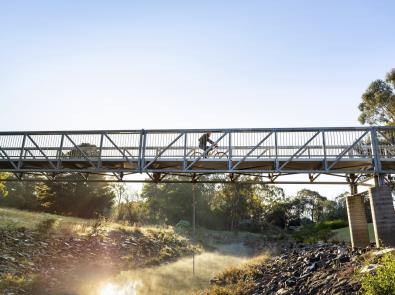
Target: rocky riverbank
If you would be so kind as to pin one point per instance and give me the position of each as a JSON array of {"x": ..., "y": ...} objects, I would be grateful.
[
  {"x": 33, "y": 262},
  {"x": 304, "y": 269}
]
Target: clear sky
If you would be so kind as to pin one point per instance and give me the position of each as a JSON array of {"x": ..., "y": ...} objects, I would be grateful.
[{"x": 189, "y": 64}]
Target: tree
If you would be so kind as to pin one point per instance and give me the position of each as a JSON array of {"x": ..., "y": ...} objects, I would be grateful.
[
  {"x": 378, "y": 102},
  {"x": 135, "y": 209},
  {"x": 73, "y": 196},
  {"x": 234, "y": 202},
  {"x": 314, "y": 204},
  {"x": 168, "y": 202},
  {"x": 21, "y": 194},
  {"x": 278, "y": 210},
  {"x": 121, "y": 192}
]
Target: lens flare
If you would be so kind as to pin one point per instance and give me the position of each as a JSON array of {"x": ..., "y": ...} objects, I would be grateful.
[{"x": 130, "y": 288}]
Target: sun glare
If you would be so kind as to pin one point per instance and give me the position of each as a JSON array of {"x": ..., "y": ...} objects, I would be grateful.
[
  {"x": 108, "y": 289},
  {"x": 128, "y": 289}
]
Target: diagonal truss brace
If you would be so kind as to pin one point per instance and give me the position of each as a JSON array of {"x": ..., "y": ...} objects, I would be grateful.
[
  {"x": 8, "y": 158},
  {"x": 253, "y": 149},
  {"x": 119, "y": 150},
  {"x": 296, "y": 154},
  {"x": 341, "y": 155},
  {"x": 162, "y": 151},
  {"x": 206, "y": 151},
  {"x": 81, "y": 151},
  {"x": 41, "y": 151}
]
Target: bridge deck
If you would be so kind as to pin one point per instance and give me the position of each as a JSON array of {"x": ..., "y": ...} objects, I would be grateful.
[
  {"x": 369, "y": 150},
  {"x": 175, "y": 165}
]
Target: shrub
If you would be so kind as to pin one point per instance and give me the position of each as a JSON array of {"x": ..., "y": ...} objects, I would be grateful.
[
  {"x": 332, "y": 224},
  {"x": 183, "y": 227},
  {"x": 97, "y": 228},
  {"x": 382, "y": 281},
  {"x": 218, "y": 290},
  {"x": 321, "y": 231},
  {"x": 46, "y": 226},
  {"x": 312, "y": 233}
]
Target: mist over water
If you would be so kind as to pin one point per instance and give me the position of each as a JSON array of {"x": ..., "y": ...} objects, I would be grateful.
[{"x": 175, "y": 277}]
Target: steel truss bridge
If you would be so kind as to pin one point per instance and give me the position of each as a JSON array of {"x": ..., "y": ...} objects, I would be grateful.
[{"x": 354, "y": 154}]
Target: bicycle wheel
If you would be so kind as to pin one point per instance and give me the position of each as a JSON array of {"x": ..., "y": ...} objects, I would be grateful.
[
  {"x": 221, "y": 155},
  {"x": 195, "y": 154}
]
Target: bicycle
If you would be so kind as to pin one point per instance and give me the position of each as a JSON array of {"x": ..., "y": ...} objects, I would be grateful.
[{"x": 213, "y": 153}]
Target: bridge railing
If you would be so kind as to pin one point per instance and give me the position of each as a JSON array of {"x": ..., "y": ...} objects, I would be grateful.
[{"x": 145, "y": 147}]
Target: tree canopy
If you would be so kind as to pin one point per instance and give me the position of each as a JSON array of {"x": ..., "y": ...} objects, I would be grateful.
[{"x": 378, "y": 102}]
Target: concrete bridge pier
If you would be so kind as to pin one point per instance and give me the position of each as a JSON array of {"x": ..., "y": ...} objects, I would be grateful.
[
  {"x": 358, "y": 225},
  {"x": 383, "y": 214}
]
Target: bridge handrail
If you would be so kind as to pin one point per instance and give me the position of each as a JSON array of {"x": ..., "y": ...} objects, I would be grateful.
[{"x": 241, "y": 144}]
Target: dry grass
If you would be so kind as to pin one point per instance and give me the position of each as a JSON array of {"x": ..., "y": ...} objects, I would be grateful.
[
  {"x": 30, "y": 220},
  {"x": 66, "y": 224},
  {"x": 237, "y": 280}
]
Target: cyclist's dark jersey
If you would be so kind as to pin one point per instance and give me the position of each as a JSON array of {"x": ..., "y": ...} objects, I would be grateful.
[{"x": 204, "y": 139}]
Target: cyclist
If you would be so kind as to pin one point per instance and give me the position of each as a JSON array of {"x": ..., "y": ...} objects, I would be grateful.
[{"x": 203, "y": 140}]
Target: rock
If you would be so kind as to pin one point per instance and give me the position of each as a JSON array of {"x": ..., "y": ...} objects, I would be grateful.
[
  {"x": 384, "y": 251},
  {"x": 343, "y": 258},
  {"x": 311, "y": 268},
  {"x": 315, "y": 258},
  {"x": 282, "y": 291},
  {"x": 290, "y": 282},
  {"x": 369, "y": 268},
  {"x": 296, "y": 273}
]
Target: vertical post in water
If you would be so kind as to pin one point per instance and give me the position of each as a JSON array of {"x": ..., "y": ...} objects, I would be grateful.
[{"x": 193, "y": 225}]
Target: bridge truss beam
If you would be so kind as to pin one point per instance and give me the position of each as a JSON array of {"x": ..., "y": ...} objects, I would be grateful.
[{"x": 266, "y": 154}]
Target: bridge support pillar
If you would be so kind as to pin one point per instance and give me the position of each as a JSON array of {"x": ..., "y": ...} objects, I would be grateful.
[
  {"x": 383, "y": 215},
  {"x": 357, "y": 221}
]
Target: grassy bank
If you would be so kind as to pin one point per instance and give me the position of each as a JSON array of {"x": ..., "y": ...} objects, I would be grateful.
[{"x": 30, "y": 220}]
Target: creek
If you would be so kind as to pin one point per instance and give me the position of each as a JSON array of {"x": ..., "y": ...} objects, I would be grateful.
[{"x": 175, "y": 277}]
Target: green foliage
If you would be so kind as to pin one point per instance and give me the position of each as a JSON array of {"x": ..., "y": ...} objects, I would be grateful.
[
  {"x": 313, "y": 204},
  {"x": 3, "y": 188},
  {"x": 128, "y": 206},
  {"x": 72, "y": 197},
  {"x": 227, "y": 206},
  {"x": 21, "y": 195},
  {"x": 343, "y": 234},
  {"x": 237, "y": 203},
  {"x": 312, "y": 233},
  {"x": 378, "y": 102},
  {"x": 76, "y": 198},
  {"x": 331, "y": 224},
  {"x": 237, "y": 206},
  {"x": 382, "y": 281},
  {"x": 168, "y": 203},
  {"x": 183, "y": 227}
]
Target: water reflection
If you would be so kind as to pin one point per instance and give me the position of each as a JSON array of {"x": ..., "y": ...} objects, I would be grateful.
[{"x": 173, "y": 278}]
